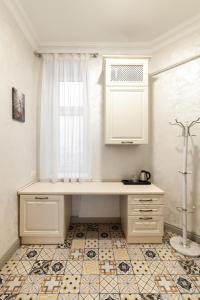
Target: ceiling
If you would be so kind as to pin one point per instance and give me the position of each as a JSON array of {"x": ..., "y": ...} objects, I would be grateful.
[{"x": 122, "y": 21}]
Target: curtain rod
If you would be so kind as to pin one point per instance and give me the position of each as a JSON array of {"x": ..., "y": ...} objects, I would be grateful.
[
  {"x": 38, "y": 54},
  {"x": 175, "y": 65}
]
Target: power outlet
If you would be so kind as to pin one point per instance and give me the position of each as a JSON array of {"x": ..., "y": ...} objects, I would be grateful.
[{"x": 33, "y": 175}]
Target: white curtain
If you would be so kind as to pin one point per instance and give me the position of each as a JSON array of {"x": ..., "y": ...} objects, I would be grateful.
[{"x": 64, "y": 127}]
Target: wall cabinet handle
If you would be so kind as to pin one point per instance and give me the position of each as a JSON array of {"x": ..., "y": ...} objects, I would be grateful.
[
  {"x": 127, "y": 142},
  {"x": 147, "y": 218},
  {"x": 39, "y": 198},
  {"x": 145, "y": 210},
  {"x": 145, "y": 200}
]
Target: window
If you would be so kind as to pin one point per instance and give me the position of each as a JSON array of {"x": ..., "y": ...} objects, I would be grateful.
[
  {"x": 64, "y": 126},
  {"x": 73, "y": 151}
]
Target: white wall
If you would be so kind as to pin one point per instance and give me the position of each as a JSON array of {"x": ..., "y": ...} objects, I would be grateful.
[
  {"x": 176, "y": 94},
  {"x": 19, "y": 68},
  {"x": 109, "y": 162}
]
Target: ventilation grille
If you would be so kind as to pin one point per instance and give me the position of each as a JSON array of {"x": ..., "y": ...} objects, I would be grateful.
[{"x": 126, "y": 73}]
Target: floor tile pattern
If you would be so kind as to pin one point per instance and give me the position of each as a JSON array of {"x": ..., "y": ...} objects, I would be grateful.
[{"x": 95, "y": 263}]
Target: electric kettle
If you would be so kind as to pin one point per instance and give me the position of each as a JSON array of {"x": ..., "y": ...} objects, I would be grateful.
[{"x": 144, "y": 175}]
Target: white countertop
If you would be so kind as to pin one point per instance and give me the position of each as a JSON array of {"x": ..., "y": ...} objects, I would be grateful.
[{"x": 89, "y": 188}]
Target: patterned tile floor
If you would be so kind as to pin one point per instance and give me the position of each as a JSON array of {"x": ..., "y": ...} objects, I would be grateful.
[{"x": 95, "y": 263}]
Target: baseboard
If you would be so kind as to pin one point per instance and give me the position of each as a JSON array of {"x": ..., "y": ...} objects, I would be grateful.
[
  {"x": 34, "y": 240},
  {"x": 191, "y": 235},
  {"x": 9, "y": 253},
  {"x": 95, "y": 220}
]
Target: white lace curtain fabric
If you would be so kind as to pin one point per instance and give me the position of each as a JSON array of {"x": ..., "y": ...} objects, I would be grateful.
[{"x": 64, "y": 125}]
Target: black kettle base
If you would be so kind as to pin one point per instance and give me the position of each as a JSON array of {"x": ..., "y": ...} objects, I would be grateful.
[{"x": 138, "y": 182}]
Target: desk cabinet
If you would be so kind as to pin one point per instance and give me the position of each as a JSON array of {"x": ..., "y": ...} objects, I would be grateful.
[
  {"x": 45, "y": 210},
  {"x": 142, "y": 218},
  {"x": 44, "y": 218}
]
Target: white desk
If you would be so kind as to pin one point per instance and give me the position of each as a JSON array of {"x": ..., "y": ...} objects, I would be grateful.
[
  {"x": 89, "y": 188},
  {"x": 45, "y": 210}
]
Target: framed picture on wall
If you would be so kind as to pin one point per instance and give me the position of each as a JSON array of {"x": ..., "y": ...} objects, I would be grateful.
[{"x": 18, "y": 105}]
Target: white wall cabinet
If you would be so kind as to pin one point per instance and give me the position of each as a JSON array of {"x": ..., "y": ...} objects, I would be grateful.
[
  {"x": 126, "y": 101},
  {"x": 126, "y": 115},
  {"x": 44, "y": 218}
]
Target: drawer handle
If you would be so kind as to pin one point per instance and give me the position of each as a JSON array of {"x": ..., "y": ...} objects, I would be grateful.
[
  {"x": 145, "y": 200},
  {"x": 41, "y": 198},
  {"x": 127, "y": 142},
  {"x": 147, "y": 218},
  {"x": 145, "y": 210}
]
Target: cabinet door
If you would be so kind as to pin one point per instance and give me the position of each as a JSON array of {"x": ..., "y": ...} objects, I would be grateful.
[
  {"x": 126, "y": 115},
  {"x": 145, "y": 226},
  {"x": 41, "y": 215},
  {"x": 126, "y": 72}
]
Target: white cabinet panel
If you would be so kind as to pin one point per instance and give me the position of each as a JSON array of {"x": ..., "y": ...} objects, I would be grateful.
[
  {"x": 126, "y": 115},
  {"x": 126, "y": 100},
  {"x": 44, "y": 218}
]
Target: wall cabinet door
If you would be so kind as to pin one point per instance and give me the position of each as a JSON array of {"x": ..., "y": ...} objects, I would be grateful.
[{"x": 126, "y": 115}]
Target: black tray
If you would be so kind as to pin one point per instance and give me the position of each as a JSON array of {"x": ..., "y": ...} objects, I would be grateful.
[{"x": 130, "y": 182}]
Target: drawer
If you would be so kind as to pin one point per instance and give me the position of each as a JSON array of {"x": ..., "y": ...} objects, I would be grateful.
[
  {"x": 145, "y": 209},
  {"x": 41, "y": 197},
  {"x": 145, "y": 226},
  {"x": 145, "y": 199}
]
